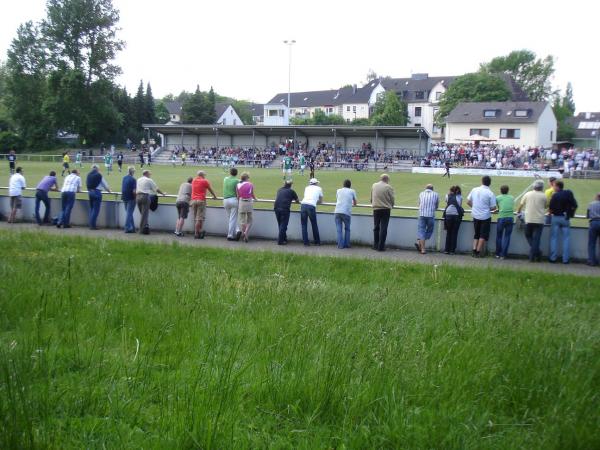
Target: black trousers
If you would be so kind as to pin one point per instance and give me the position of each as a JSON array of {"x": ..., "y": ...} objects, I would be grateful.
[
  {"x": 381, "y": 219},
  {"x": 283, "y": 218},
  {"x": 452, "y": 225}
]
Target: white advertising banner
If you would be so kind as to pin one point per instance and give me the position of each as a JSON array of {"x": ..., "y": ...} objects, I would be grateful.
[{"x": 490, "y": 172}]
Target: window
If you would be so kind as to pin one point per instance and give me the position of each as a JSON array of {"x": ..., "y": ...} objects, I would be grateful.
[
  {"x": 551, "y": 136},
  {"x": 420, "y": 95},
  {"x": 417, "y": 124},
  {"x": 173, "y": 116},
  {"x": 273, "y": 112},
  {"x": 490, "y": 113},
  {"x": 521, "y": 113},
  {"x": 348, "y": 108},
  {"x": 281, "y": 113},
  {"x": 224, "y": 121},
  {"x": 436, "y": 129},
  {"x": 485, "y": 132},
  {"x": 354, "y": 108},
  {"x": 438, "y": 95},
  {"x": 404, "y": 94},
  {"x": 235, "y": 121},
  {"x": 418, "y": 111},
  {"x": 510, "y": 133}
]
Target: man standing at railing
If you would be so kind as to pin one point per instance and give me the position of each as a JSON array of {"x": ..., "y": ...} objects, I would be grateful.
[
  {"x": 428, "y": 204},
  {"x": 593, "y": 214},
  {"x": 230, "y": 204},
  {"x": 382, "y": 201},
  {"x": 198, "y": 204},
  {"x": 95, "y": 182},
  {"x": 47, "y": 184},
  {"x": 12, "y": 161},
  {"x": 128, "y": 190},
  {"x": 146, "y": 187},
  {"x": 482, "y": 202},
  {"x": 283, "y": 202},
  {"x": 313, "y": 195},
  {"x": 71, "y": 185},
  {"x": 16, "y": 184}
]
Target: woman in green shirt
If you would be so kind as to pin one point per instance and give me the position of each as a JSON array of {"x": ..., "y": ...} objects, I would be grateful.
[{"x": 504, "y": 226}]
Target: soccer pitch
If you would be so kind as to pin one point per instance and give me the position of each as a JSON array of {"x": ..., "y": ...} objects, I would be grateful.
[{"x": 266, "y": 181}]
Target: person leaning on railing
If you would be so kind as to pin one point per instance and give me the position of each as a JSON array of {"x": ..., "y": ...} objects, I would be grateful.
[{"x": 146, "y": 187}]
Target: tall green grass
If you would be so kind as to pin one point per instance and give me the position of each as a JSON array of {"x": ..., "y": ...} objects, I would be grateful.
[{"x": 128, "y": 345}]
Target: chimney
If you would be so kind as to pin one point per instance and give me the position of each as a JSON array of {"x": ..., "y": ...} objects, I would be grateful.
[
  {"x": 588, "y": 115},
  {"x": 354, "y": 89}
]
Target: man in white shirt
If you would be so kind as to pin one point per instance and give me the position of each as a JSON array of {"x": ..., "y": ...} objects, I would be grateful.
[
  {"x": 313, "y": 195},
  {"x": 345, "y": 200},
  {"x": 71, "y": 186},
  {"x": 16, "y": 184},
  {"x": 482, "y": 202}
]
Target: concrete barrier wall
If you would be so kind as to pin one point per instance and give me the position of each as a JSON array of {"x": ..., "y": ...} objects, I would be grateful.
[{"x": 402, "y": 231}]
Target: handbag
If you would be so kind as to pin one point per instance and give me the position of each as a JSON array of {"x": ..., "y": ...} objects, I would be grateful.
[{"x": 153, "y": 202}]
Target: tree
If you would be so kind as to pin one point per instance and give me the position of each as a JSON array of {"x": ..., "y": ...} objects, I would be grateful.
[
  {"x": 162, "y": 113},
  {"x": 371, "y": 75},
  {"x": 472, "y": 87},
  {"x": 210, "y": 107},
  {"x": 149, "y": 106},
  {"x": 81, "y": 35},
  {"x": 194, "y": 108},
  {"x": 390, "y": 110},
  {"x": 564, "y": 108},
  {"x": 139, "y": 105},
  {"x": 533, "y": 75}
]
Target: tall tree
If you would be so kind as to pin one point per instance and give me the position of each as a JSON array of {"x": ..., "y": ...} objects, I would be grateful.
[
  {"x": 567, "y": 102},
  {"x": 390, "y": 110},
  {"x": 149, "y": 106},
  {"x": 210, "y": 107},
  {"x": 564, "y": 108},
  {"x": 194, "y": 108},
  {"x": 81, "y": 35},
  {"x": 472, "y": 87},
  {"x": 533, "y": 74},
  {"x": 139, "y": 105},
  {"x": 26, "y": 85}
]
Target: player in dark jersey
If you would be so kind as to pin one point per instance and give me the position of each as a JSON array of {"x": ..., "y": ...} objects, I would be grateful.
[{"x": 12, "y": 160}]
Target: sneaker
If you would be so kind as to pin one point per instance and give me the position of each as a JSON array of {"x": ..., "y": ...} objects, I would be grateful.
[
  {"x": 238, "y": 235},
  {"x": 202, "y": 234}
]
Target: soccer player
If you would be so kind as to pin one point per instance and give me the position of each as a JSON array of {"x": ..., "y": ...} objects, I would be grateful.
[
  {"x": 173, "y": 158},
  {"x": 120, "y": 161},
  {"x": 12, "y": 160},
  {"x": 78, "y": 159},
  {"x": 66, "y": 161},
  {"x": 302, "y": 162},
  {"x": 287, "y": 168},
  {"x": 108, "y": 163}
]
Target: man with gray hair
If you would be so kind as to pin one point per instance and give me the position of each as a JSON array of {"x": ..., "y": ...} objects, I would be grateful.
[
  {"x": 128, "y": 196},
  {"x": 429, "y": 201},
  {"x": 534, "y": 202},
  {"x": 382, "y": 202},
  {"x": 146, "y": 187}
]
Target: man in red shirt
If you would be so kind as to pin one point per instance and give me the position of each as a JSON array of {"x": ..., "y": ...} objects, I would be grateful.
[{"x": 198, "y": 204}]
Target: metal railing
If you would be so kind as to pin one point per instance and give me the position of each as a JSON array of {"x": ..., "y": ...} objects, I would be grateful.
[{"x": 270, "y": 201}]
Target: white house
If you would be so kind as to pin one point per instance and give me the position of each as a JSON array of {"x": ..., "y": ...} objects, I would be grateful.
[
  {"x": 225, "y": 114},
  {"x": 350, "y": 102},
  {"x": 529, "y": 124}
]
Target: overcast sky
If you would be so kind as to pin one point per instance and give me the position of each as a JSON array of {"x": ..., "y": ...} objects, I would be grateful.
[{"x": 236, "y": 46}]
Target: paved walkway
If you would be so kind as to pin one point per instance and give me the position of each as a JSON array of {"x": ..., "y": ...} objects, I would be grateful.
[{"x": 402, "y": 256}]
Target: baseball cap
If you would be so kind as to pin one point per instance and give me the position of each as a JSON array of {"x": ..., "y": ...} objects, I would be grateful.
[{"x": 313, "y": 181}]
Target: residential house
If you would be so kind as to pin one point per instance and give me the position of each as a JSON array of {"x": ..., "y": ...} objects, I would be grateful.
[
  {"x": 529, "y": 124},
  {"x": 349, "y": 102},
  {"x": 225, "y": 114},
  {"x": 587, "y": 130}
]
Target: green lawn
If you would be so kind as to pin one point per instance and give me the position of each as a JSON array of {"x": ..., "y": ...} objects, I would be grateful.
[
  {"x": 107, "y": 344},
  {"x": 267, "y": 181}
]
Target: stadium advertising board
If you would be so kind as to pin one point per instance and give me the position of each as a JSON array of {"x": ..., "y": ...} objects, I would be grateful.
[{"x": 490, "y": 172}]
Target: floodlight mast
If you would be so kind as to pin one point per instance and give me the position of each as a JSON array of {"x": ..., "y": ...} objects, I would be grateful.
[{"x": 289, "y": 43}]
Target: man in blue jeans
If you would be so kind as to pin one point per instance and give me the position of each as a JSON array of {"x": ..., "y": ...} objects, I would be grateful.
[
  {"x": 313, "y": 195},
  {"x": 345, "y": 200},
  {"x": 95, "y": 182},
  {"x": 593, "y": 213},
  {"x": 562, "y": 208},
  {"x": 128, "y": 196},
  {"x": 283, "y": 202},
  {"x": 71, "y": 186},
  {"x": 428, "y": 204},
  {"x": 504, "y": 226},
  {"x": 48, "y": 183}
]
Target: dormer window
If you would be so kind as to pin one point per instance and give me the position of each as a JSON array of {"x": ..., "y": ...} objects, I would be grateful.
[
  {"x": 521, "y": 113},
  {"x": 419, "y": 95},
  {"x": 490, "y": 113}
]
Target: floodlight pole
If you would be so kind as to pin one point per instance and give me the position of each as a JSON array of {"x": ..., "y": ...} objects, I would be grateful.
[{"x": 289, "y": 43}]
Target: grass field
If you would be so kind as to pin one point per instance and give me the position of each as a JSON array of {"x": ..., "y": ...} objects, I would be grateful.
[
  {"x": 107, "y": 344},
  {"x": 267, "y": 181}
]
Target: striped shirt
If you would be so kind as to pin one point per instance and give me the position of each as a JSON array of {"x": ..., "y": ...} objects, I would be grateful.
[
  {"x": 428, "y": 203},
  {"x": 593, "y": 211},
  {"x": 72, "y": 183}
]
